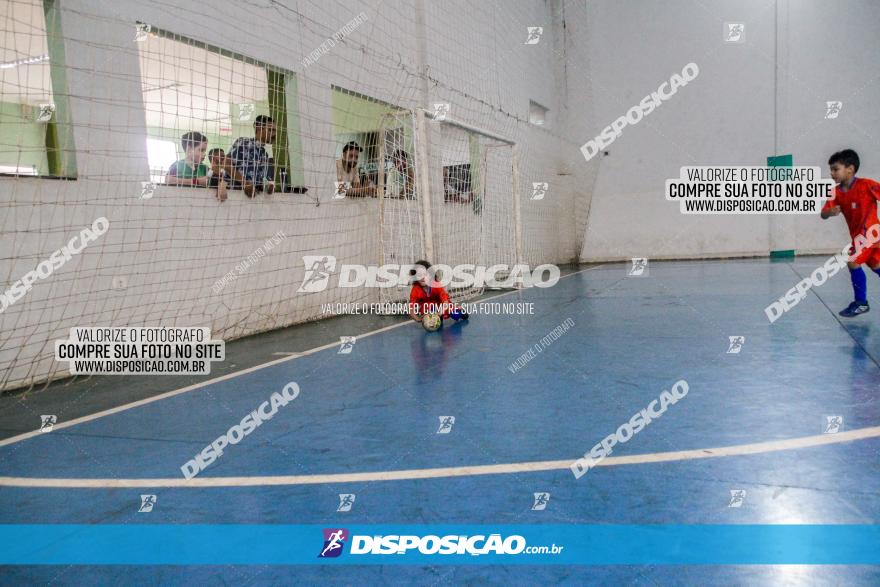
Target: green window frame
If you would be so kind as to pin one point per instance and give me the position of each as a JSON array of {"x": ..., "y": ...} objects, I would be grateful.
[
  {"x": 40, "y": 138},
  {"x": 281, "y": 104}
]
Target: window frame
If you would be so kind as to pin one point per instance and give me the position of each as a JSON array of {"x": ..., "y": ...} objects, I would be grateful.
[
  {"x": 58, "y": 139},
  {"x": 545, "y": 112},
  {"x": 281, "y": 111}
]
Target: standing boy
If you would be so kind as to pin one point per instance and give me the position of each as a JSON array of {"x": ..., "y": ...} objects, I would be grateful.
[
  {"x": 248, "y": 163},
  {"x": 855, "y": 198}
]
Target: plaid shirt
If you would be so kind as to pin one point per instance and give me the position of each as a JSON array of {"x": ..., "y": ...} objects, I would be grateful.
[{"x": 250, "y": 158}]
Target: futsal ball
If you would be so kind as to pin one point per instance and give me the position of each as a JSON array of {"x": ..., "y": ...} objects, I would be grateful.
[{"x": 432, "y": 322}]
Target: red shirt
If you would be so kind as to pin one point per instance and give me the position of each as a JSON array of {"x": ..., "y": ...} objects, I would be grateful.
[
  {"x": 858, "y": 205},
  {"x": 435, "y": 296}
]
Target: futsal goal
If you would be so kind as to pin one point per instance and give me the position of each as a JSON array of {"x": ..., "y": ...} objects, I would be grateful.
[
  {"x": 449, "y": 195},
  {"x": 129, "y": 119}
]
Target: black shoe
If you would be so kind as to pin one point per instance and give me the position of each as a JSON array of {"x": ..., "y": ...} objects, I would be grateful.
[{"x": 854, "y": 309}]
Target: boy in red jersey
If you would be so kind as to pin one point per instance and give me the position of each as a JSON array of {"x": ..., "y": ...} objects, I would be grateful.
[
  {"x": 428, "y": 296},
  {"x": 855, "y": 198}
]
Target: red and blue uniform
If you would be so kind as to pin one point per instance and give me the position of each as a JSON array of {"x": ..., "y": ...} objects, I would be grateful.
[
  {"x": 431, "y": 300},
  {"x": 858, "y": 204}
]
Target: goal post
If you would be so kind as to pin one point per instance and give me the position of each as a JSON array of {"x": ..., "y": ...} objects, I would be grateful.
[
  {"x": 162, "y": 112},
  {"x": 463, "y": 204}
]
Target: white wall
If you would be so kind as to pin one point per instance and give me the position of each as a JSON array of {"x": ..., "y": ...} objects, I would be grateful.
[
  {"x": 172, "y": 248},
  {"x": 738, "y": 111}
]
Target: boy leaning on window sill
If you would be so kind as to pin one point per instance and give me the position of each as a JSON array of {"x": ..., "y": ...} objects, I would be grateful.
[{"x": 191, "y": 171}]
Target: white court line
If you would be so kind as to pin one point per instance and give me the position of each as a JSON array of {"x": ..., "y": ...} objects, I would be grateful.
[
  {"x": 410, "y": 474},
  {"x": 168, "y": 394}
]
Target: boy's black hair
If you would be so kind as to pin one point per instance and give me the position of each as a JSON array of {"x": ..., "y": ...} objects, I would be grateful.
[
  {"x": 191, "y": 139},
  {"x": 263, "y": 120},
  {"x": 214, "y": 151},
  {"x": 421, "y": 262},
  {"x": 846, "y": 158},
  {"x": 351, "y": 145}
]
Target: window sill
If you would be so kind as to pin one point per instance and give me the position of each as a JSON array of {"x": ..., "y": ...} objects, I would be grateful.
[{"x": 29, "y": 176}]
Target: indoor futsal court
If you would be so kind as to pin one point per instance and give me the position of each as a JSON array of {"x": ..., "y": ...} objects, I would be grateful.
[{"x": 404, "y": 292}]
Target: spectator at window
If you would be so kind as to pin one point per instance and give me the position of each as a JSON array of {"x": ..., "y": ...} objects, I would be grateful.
[
  {"x": 347, "y": 172},
  {"x": 457, "y": 184},
  {"x": 191, "y": 170},
  {"x": 400, "y": 180},
  {"x": 217, "y": 163},
  {"x": 248, "y": 163}
]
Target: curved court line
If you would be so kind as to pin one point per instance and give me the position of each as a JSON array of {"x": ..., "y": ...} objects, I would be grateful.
[
  {"x": 166, "y": 395},
  {"x": 410, "y": 474}
]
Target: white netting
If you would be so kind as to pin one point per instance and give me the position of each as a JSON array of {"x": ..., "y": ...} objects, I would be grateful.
[
  {"x": 104, "y": 105},
  {"x": 470, "y": 198},
  {"x": 401, "y": 229}
]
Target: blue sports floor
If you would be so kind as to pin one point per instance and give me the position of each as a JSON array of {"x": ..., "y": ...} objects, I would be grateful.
[{"x": 377, "y": 409}]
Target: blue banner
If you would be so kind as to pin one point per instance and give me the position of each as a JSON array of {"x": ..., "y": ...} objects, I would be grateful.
[{"x": 146, "y": 544}]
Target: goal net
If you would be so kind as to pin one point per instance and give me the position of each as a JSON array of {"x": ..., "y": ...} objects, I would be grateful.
[
  {"x": 135, "y": 113},
  {"x": 449, "y": 198}
]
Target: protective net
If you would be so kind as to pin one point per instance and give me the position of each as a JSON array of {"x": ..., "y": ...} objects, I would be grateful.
[
  {"x": 464, "y": 212},
  {"x": 239, "y": 154}
]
